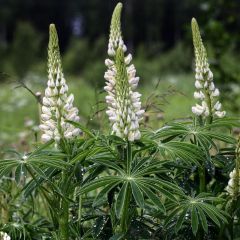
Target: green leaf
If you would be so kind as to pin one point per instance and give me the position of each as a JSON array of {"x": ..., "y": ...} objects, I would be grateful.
[
  {"x": 203, "y": 219},
  {"x": 97, "y": 183},
  {"x": 181, "y": 219},
  {"x": 49, "y": 161},
  {"x": 39, "y": 149},
  {"x": 211, "y": 214},
  {"x": 194, "y": 220},
  {"x": 153, "y": 197},
  {"x": 120, "y": 202},
  {"x": 137, "y": 194},
  {"x": 118, "y": 236}
]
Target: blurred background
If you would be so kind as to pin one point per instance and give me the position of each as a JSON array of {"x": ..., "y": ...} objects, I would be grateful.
[{"x": 158, "y": 34}]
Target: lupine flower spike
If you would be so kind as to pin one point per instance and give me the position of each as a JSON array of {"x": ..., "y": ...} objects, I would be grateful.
[
  {"x": 57, "y": 106},
  {"x": 233, "y": 187},
  {"x": 124, "y": 106},
  {"x": 206, "y": 92},
  {"x": 4, "y": 236}
]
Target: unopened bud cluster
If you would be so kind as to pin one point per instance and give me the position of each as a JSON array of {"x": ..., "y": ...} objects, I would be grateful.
[
  {"x": 124, "y": 105},
  {"x": 206, "y": 92},
  {"x": 233, "y": 186},
  {"x": 4, "y": 236},
  {"x": 57, "y": 106}
]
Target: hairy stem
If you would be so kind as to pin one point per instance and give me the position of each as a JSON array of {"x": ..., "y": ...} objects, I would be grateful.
[{"x": 63, "y": 220}]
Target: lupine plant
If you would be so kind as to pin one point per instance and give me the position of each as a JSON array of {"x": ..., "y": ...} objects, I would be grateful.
[{"x": 181, "y": 181}]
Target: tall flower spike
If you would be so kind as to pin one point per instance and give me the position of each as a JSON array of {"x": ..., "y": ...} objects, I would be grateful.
[
  {"x": 124, "y": 106},
  {"x": 206, "y": 93},
  {"x": 233, "y": 187},
  {"x": 57, "y": 106}
]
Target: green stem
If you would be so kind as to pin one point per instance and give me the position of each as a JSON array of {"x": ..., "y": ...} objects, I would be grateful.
[
  {"x": 63, "y": 220},
  {"x": 129, "y": 158},
  {"x": 125, "y": 214},
  {"x": 64, "y": 207},
  {"x": 202, "y": 178}
]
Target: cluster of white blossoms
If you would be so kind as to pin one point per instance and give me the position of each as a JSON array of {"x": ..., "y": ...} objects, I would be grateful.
[
  {"x": 206, "y": 92},
  {"x": 4, "y": 236},
  {"x": 232, "y": 183},
  {"x": 124, "y": 105},
  {"x": 57, "y": 106}
]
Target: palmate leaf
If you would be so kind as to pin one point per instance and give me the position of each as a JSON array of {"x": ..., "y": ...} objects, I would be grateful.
[
  {"x": 200, "y": 134},
  {"x": 39, "y": 158},
  {"x": 176, "y": 150},
  {"x": 141, "y": 186},
  {"x": 198, "y": 211}
]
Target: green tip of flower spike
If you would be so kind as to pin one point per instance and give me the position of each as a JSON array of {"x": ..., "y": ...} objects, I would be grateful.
[
  {"x": 53, "y": 37},
  {"x": 115, "y": 29},
  {"x": 53, "y": 48},
  {"x": 197, "y": 39}
]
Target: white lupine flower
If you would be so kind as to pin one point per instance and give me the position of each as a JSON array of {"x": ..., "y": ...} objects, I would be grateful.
[
  {"x": 199, "y": 95},
  {"x": 232, "y": 183},
  {"x": 4, "y": 236},
  {"x": 198, "y": 110},
  {"x": 57, "y": 105},
  {"x": 124, "y": 106},
  {"x": 198, "y": 85},
  {"x": 206, "y": 92},
  {"x": 220, "y": 114}
]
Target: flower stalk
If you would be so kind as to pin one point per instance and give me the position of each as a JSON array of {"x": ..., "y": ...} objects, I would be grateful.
[
  {"x": 124, "y": 105},
  {"x": 206, "y": 93},
  {"x": 57, "y": 105}
]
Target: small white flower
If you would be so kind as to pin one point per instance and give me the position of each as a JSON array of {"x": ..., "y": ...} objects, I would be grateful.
[
  {"x": 128, "y": 59},
  {"x": 109, "y": 62},
  {"x": 215, "y": 93},
  {"x": 217, "y": 106},
  {"x": 198, "y": 85},
  {"x": 211, "y": 86},
  {"x": 220, "y": 114},
  {"x": 198, "y": 110},
  {"x": 199, "y": 95},
  {"x": 210, "y": 75}
]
